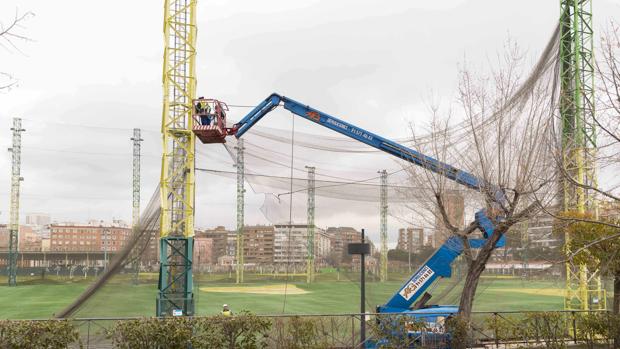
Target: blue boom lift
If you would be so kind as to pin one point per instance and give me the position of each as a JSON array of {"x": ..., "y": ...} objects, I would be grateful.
[{"x": 439, "y": 264}]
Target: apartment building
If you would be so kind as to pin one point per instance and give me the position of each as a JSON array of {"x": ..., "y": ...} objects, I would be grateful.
[
  {"x": 69, "y": 237},
  {"x": 410, "y": 239},
  {"x": 258, "y": 244},
  {"x": 291, "y": 243}
]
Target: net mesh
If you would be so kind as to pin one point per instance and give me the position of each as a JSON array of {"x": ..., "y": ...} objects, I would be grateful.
[{"x": 346, "y": 182}]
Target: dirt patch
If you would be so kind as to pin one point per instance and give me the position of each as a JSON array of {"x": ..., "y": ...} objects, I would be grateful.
[
  {"x": 534, "y": 291},
  {"x": 267, "y": 289}
]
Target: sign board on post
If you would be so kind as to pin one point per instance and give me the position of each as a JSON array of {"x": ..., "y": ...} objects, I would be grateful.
[
  {"x": 358, "y": 248},
  {"x": 177, "y": 312},
  {"x": 362, "y": 249}
]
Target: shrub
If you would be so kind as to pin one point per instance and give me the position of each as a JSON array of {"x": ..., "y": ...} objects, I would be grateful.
[
  {"x": 393, "y": 331},
  {"x": 169, "y": 333},
  {"x": 546, "y": 327},
  {"x": 243, "y": 331},
  {"x": 47, "y": 334},
  {"x": 505, "y": 328},
  {"x": 597, "y": 326},
  {"x": 459, "y": 329},
  {"x": 300, "y": 332}
]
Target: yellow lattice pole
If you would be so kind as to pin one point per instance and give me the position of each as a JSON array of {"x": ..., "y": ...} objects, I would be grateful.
[{"x": 177, "y": 170}]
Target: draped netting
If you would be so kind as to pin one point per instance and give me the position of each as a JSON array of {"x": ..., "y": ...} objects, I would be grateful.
[{"x": 346, "y": 178}]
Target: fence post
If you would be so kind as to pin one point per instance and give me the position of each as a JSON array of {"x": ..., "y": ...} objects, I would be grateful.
[
  {"x": 574, "y": 326},
  {"x": 495, "y": 330},
  {"x": 353, "y": 342},
  {"x": 88, "y": 335}
]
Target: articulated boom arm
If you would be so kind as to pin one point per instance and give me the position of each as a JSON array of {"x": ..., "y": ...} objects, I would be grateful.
[
  {"x": 356, "y": 133},
  {"x": 439, "y": 264}
]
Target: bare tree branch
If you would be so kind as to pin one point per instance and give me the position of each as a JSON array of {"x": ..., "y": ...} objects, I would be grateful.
[{"x": 9, "y": 35}]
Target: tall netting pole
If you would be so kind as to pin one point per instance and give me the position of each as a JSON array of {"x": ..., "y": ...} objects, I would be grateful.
[
  {"x": 135, "y": 209},
  {"x": 16, "y": 161},
  {"x": 583, "y": 290},
  {"x": 240, "y": 209},
  {"x": 310, "y": 225},
  {"x": 383, "y": 206},
  {"x": 175, "y": 295}
]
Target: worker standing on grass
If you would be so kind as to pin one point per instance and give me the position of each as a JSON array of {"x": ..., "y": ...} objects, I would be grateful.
[{"x": 226, "y": 311}]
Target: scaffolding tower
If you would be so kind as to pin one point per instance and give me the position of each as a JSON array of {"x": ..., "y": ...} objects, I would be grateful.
[
  {"x": 135, "y": 209},
  {"x": 175, "y": 296},
  {"x": 583, "y": 288},
  {"x": 310, "y": 225},
  {"x": 240, "y": 165},
  {"x": 16, "y": 154},
  {"x": 383, "y": 206}
]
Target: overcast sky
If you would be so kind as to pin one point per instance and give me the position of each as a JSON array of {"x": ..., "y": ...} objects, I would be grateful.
[{"x": 92, "y": 72}]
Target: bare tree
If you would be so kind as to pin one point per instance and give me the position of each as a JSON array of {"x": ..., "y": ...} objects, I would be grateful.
[
  {"x": 503, "y": 141},
  {"x": 10, "y": 34}
]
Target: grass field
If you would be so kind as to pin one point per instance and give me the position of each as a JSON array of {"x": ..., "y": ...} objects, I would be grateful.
[{"x": 42, "y": 298}]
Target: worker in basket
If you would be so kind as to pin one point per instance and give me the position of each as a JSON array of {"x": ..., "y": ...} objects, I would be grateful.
[
  {"x": 226, "y": 310},
  {"x": 203, "y": 110}
]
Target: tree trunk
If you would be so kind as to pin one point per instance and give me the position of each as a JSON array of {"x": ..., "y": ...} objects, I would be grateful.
[
  {"x": 476, "y": 268},
  {"x": 469, "y": 287}
]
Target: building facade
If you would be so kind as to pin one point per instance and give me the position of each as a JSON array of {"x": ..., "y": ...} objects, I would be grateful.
[
  {"x": 258, "y": 244},
  {"x": 28, "y": 238},
  {"x": 340, "y": 237},
  {"x": 291, "y": 244},
  {"x": 220, "y": 244},
  {"x": 203, "y": 252},
  {"x": 88, "y": 238},
  {"x": 454, "y": 204},
  {"x": 40, "y": 219},
  {"x": 410, "y": 239}
]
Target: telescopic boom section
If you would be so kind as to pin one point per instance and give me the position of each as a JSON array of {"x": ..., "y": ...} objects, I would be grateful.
[{"x": 356, "y": 133}]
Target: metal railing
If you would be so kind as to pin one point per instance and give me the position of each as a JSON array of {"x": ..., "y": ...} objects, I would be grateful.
[{"x": 488, "y": 329}]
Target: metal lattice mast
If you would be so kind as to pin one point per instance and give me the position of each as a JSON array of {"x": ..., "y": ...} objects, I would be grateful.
[
  {"x": 383, "y": 206},
  {"x": 16, "y": 155},
  {"x": 310, "y": 244},
  {"x": 240, "y": 209},
  {"x": 177, "y": 171},
  {"x": 135, "y": 211},
  {"x": 578, "y": 136}
]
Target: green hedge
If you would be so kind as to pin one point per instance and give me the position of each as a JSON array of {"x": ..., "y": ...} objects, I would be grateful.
[
  {"x": 554, "y": 329},
  {"x": 47, "y": 334},
  {"x": 242, "y": 331},
  {"x": 248, "y": 331}
]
